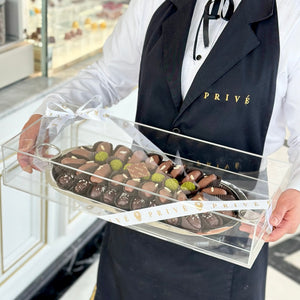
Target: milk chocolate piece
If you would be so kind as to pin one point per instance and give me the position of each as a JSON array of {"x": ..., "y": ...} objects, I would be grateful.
[
  {"x": 104, "y": 147},
  {"x": 89, "y": 167},
  {"x": 210, "y": 180},
  {"x": 82, "y": 152},
  {"x": 192, "y": 223},
  {"x": 122, "y": 153},
  {"x": 73, "y": 161},
  {"x": 181, "y": 196},
  {"x": 214, "y": 191},
  {"x": 103, "y": 171},
  {"x": 118, "y": 177},
  {"x": 153, "y": 161},
  {"x": 138, "y": 170},
  {"x": 133, "y": 183},
  {"x": 164, "y": 192},
  {"x": 193, "y": 176},
  {"x": 137, "y": 156},
  {"x": 165, "y": 166},
  {"x": 199, "y": 197},
  {"x": 177, "y": 171},
  {"x": 148, "y": 186}
]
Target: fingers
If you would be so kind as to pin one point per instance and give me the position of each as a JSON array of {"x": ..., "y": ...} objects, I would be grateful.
[
  {"x": 27, "y": 143},
  {"x": 286, "y": 216}
]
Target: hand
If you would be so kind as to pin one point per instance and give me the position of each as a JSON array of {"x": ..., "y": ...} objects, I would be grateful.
[
  {"x": 27, "y": 142},
  {"x": 285, "y": 218}
]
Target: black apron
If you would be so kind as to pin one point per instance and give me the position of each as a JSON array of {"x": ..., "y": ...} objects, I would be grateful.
[{"x": 230, "y": 102}]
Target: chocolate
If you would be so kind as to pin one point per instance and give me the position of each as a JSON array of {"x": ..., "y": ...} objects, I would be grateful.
[
  {"x": 173, "y": 221},
  {"x": 103, "y": 171},
  {"x": 181, "y": 196},
  {"x": 214, "y": 191},
  {"x": 192, "y": 223},
  {"x": 104, "y": 147},
  {"x": 165, "y": 166},
  {"x": 119, "y": 177},
  {"x": 82, "y": 186},
  {"x": 164, "y": 192},
  {"x": 66, "y": 181},
  {"x": 153, "y": 161},
  {"x": 122, "y": 153},
  {"x": 98, "y": 190},
  {"x": 124, "y": 200},
  {"x": 138, "y": 170},
  {"x": 111, "y": 194},
  {"x": 148, "y": 186},
  {"x": 193, "y": 176},
  {"x": 137, "y": 156},
  {"x": 83, "y": 153},
  {"x": 177, "y": 171},
  {"x": 138, "y": 203},
  {"x": 210, "y": 180},
  {"x": 73, "y": 161},
  {"x": 198, "y": 197},
  {"x": 211, "y": 220},
  {"x": 89, "y": 167}
]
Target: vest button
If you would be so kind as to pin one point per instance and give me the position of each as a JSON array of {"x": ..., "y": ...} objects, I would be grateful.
[
  {"x": 176, "y": 130},
  {"x": 198, "y": 57}
]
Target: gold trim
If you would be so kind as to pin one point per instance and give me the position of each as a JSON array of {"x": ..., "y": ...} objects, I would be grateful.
[
  {"x": 94, "y": 293},
  {"x": 22, "y": 265}
]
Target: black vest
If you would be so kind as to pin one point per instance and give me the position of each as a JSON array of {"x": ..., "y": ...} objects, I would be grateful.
[{"x": 231, "y": 99}]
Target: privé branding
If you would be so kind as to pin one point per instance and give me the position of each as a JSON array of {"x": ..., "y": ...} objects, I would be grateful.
[{"x": 224, "y": 97}]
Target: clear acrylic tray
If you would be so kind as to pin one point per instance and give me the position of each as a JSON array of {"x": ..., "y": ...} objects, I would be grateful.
[{"x": 233, "y": 234}]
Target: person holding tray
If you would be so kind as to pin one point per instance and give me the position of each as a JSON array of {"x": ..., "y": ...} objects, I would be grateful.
[{"x": 223, "y": 71}]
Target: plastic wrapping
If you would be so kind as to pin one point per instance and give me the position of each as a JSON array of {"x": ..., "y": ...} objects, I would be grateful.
[{"x": 109, "y": 168}]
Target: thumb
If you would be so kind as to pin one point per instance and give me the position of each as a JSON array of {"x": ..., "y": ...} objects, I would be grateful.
[{"x": 277, "y": 215}]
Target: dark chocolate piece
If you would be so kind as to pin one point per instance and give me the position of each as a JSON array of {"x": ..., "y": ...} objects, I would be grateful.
[
  {"x": 173, "y": 221},
  {"x": 97, "y": 191},
  {"x": 82, "y": 186},
  {"x": 192, "y": 223},
  {"x": 211, "y": 220},
  {"x": 111, "y": 194},
  {"x": 138, "y": 203},
  {"x": 66, "y": 181}
]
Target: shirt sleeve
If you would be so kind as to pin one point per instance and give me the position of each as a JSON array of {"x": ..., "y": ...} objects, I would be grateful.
[
  {"x": 115, "y": 74},
  {"x": 291, "y": 110}
]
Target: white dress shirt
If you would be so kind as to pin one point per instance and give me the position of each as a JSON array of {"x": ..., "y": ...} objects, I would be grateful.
[{"x": 115, "y": 75}]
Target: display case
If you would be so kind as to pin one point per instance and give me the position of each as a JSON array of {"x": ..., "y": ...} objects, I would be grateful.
[
  {"x": 74, "y": 28},
  {"x": 207, "y": 197}
]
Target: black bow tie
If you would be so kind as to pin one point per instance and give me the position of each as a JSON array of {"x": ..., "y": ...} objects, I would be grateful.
[{"x": 213, "y": 15}]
